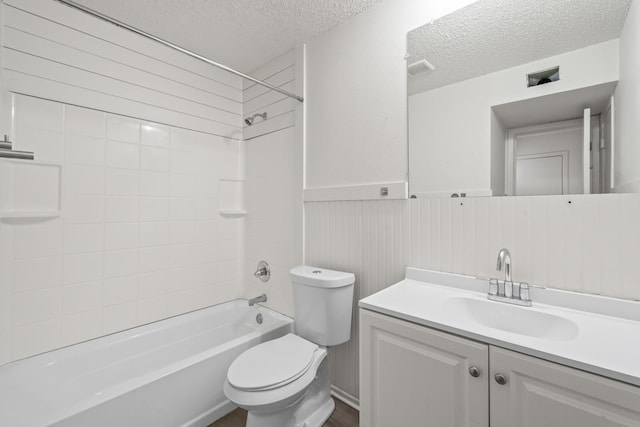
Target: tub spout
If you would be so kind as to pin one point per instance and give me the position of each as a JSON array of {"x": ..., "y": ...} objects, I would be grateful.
[{"x": 260, "y": 298}]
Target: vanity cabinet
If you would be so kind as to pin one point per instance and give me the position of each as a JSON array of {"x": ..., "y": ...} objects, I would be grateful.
[
  {"x": 412, "y": 375},
  {"x": 539, "y": 393}
]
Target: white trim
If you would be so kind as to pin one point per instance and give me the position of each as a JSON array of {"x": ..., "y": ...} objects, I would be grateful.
[
  {"x": 586, "y": 151},
  {"x": 395, "y": 190},
  {"x": 612, "y": 154},
  {"x": 447, "y": 194},
  {"x": 345, "y": 397},
  {"x": 300, "y": 64}
]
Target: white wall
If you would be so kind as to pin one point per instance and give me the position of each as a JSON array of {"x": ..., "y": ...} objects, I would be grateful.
[
  {"x": 273, "y": 187},
  {"x": 356, "y": 97},
  {"x": 139, "y": 237},
  {"x": 627, "y": 106},
  {"x": 450, "y": 127}
]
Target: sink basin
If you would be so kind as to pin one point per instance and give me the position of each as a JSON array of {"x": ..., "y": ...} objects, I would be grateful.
[{"x": 511, "y": 318}]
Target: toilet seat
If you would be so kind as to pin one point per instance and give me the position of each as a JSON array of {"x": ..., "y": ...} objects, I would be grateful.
[
  {"x": 283, "y": 392},
  {"x": 272, "y": 364}
]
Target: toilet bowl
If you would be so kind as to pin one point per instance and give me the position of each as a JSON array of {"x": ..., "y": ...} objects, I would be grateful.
[
  {"x": 272, "y": 381},
  {"x": 285, "y": 382}
]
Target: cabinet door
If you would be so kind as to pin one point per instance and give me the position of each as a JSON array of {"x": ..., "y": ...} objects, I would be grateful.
[
  {"x": 543, "y": 394},
  {"x": 413, "y": 376}
]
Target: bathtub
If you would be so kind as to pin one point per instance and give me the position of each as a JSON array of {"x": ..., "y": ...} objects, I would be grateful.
[{"x": 164, "y": 374}]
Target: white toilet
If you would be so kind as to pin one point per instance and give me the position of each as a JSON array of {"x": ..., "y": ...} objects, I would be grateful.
[{"x": 285, "y": 382}]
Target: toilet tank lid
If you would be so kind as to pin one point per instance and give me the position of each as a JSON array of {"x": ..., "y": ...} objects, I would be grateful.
[{"x": 321, "y": 277}]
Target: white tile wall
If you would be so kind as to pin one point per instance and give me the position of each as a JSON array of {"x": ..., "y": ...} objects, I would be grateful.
[
  {"x": 140, "y": 237},
  {"x": 37, "y": 273},
  {"x": 119, "y": 290},
  {"x": 578, "y": 243}
]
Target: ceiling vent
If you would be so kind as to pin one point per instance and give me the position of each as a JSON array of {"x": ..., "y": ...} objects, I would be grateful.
[
  {"x": 420, "y": 67},
  {"x": 543, "y": 77}
]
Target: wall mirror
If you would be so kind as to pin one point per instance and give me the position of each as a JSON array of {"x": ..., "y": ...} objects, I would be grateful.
[{"x": 520, "y": 97}]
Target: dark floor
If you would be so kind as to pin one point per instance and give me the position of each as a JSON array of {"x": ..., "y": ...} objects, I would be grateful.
[{"x": 343, "y": 416}]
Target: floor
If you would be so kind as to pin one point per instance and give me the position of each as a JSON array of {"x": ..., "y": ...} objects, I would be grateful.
[{"x": 343, "y": 416}]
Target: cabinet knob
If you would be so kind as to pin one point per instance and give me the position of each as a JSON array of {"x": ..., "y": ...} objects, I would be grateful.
[
  {"x": 474, "y": 371},
  {"x": 501, "y": 379}
]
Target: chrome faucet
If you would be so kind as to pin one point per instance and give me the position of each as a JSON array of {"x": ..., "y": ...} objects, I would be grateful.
[
  {"x": 259, "y": 298},
  {"x": 505, "y": 290},
  {"x": 504, "y": 257}
]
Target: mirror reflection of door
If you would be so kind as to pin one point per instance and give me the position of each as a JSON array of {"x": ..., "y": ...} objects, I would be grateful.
[
  {"x": 550, "y": 158},
  {"x": 542, "y": 173},
  {"x": 606, "y": 138}
]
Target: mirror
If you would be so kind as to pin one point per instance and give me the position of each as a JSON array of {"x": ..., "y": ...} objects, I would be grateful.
[{"x": 524, "y": 97}]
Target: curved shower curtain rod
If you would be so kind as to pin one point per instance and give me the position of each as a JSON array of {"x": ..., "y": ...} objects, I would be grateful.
[{"x": 110, "y": 20}]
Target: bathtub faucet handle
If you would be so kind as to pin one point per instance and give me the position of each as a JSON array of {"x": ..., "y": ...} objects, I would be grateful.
[
  {"x": 263, "y": 271},
  {"x": 259, "y": 298}
]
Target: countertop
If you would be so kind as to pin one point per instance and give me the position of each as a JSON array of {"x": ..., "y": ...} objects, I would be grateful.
[{"x": 607, "y": 340}]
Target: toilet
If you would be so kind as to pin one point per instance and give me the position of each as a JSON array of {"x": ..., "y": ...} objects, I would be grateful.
[{"x": 285, "y": 382}]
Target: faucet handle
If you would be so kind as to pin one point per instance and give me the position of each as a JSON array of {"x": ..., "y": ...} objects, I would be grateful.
[
  {"x": 263, "y": 271},
  {"x": 493, "y": 286},
  {"x": 524, "y": 292},
  {"x": 500, "y": 288}
]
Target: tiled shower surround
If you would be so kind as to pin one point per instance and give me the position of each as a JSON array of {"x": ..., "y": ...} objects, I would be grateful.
[{"x": 139, "y": 237}]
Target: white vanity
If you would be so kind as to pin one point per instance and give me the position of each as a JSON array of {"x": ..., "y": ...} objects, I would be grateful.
[{"x": 434, "y": 351}]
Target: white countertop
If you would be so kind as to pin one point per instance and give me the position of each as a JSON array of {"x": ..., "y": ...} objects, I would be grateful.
[{"x": 607, "y": 340}]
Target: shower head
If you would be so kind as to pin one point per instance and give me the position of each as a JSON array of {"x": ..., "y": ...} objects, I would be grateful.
[{"x": 249, "y": 120}]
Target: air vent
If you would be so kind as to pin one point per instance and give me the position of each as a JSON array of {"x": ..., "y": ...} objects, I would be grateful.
[{"x": 543, "y": 77}]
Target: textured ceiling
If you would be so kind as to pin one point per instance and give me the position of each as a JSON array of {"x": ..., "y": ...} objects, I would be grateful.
[
  {"x": 492, "y": 35},
  {"x": 241, "y": 34}
]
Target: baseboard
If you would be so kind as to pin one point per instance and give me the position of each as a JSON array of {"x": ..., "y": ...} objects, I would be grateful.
[
  {"x": 212, "y": 415},
  {"x": 345, "y": 397}
]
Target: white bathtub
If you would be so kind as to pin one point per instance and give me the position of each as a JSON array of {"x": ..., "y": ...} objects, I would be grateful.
[{"x": 165, "y": 374}]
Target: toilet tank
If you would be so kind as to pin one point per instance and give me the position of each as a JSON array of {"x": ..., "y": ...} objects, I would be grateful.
[{"x": 322, "y": 301}]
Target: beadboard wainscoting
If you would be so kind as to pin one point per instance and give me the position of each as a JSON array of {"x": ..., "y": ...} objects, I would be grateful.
[{"x": 578, "y": 243}]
